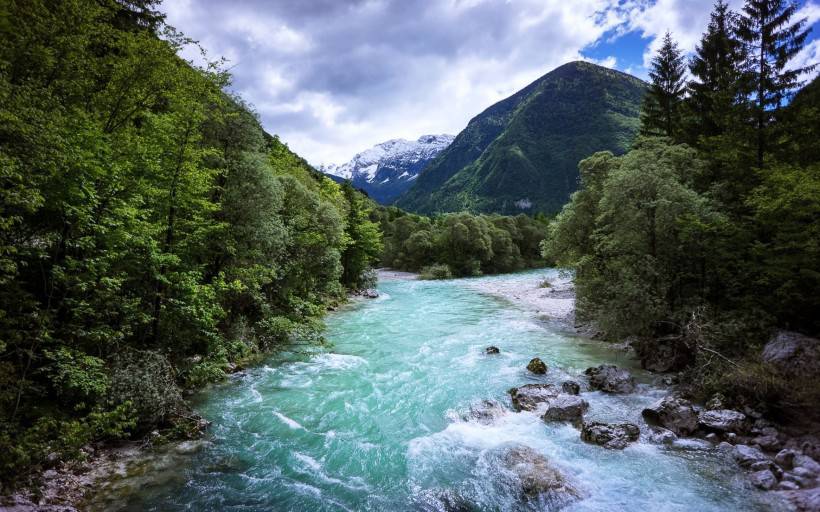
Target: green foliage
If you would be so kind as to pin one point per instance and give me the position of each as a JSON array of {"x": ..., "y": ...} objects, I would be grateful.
[
  {"x": 521, "y": 154},
  {"x": 466, "y": 244},
  {"x": 662, "y": 104},
  {"x": 146, "y": 221},
  {"x": 436, "y": 271}
]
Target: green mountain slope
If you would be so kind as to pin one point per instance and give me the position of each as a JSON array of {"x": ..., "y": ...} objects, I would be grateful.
[{"x": 521, "y": 154}]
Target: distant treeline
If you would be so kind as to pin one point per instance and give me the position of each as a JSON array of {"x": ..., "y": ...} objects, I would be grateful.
[
  {"x": 705, "y": 236},
  {"x": 151, "y": 234},
  {"x": 460, "y": 244}
]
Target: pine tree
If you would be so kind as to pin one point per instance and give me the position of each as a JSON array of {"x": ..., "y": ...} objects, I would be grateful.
[
  {"x": 716, "y": 72},
  {"x": 771, "y": 41},
  {"x": 661, "y": 109}
]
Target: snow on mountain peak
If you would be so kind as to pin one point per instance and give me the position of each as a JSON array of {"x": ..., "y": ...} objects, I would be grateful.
[{"x": 394, "y": 154}]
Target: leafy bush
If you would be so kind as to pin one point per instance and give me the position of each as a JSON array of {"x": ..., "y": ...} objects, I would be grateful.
[
  {"x": 436, "y": 271},
  {"x": 146, "y": 380}
]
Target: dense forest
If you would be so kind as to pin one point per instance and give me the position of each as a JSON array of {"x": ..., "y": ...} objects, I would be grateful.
[
  {"x": 152, "y": 235},
  {"x": 705, "y": 236},
  {"x": 460, "y": 244}
]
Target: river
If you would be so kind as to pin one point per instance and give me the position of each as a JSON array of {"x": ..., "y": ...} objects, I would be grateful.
[{"x": 377, "y": 421}]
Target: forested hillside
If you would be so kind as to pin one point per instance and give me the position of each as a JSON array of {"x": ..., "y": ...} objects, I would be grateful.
[
  {"x": 521, "y": 154},
  {"x": 704, "y": 238},
  {"x": 152, "y": 235}
]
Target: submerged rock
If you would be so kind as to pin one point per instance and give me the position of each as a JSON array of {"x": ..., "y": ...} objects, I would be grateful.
[
  {"x": 565, "y": 408},
  {"x": 485, "y": 412},
  {"x": 723, "y": 420},
  {"x": 672, "y": 413},
  {"x": 537, "y": 478},
  {"x": 492, "y": 350},
  {"x": 527, "y": 397},
  {"x": 537, "y": 366},
  {"x": 611, "y": 379},
  {"x": 442, "y": 500},
  {"x": 610, "y": 435},
  {"x": 570, "y": 387}
]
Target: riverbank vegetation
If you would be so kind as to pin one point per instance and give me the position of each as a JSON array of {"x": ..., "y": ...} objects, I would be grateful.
[
  {"x": 703, "y": 239},
  {"x": 460, "y": 244},
  {"x": 152, "y": 235}
]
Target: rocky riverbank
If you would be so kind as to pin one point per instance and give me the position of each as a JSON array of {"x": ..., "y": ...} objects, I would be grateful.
[{"x": 778, "y": 458}]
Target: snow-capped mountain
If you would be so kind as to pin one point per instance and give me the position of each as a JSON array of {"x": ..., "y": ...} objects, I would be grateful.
[{"x": 386, "y": 170}]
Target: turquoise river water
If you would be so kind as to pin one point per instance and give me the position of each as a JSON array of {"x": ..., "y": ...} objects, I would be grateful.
[{"x": 376, "y": 422}]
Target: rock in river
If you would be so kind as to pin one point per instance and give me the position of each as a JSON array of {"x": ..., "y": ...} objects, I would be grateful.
[
  {"x": 565, "y": 408},
  {"x": 611, "y": 379},
  {"x": 746, "y": 456},
  {"x": 610, "y": 435},
  {"x": 570, "y": 387},
  {"x": 723, "y": 420},
  {"x": 491, "y": 350},
  {"x": 537, "y": 478},
  {"x": 672, "y": 413},
  {"x": 527, "y": 397},
  {"x": 537, "y": 366},
  {"x": 485, "y": 412}
]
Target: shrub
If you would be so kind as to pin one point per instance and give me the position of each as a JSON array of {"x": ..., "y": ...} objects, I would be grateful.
[{"x": 436, "y": 271}]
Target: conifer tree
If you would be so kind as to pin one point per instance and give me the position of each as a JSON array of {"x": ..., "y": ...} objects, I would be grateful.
[
  {"x": 716, "y": 71},
  {"x": 771, "y": 42},
  {"x": 661, "y": 109}
]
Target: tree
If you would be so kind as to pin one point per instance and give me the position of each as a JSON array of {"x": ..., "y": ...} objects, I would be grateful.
[
  {"x": 716, "y": 72},
  {"x": 661, "y": 108},
  {"x": 771, "y": 42}
]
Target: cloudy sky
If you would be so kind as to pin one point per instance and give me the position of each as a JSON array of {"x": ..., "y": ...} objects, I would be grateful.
[{"x": 334, "y": 77}]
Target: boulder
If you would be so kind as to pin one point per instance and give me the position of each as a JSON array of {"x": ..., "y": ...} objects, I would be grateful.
[
  {"x": 801, "y": 477},
  {"x": 661, "y": 436},
  {"x": 537, "y": 366},
  {"x": 746, "y": 455},
  {"x": 769, "y": 443},
  {"x": 672, "y": 413},
  {"x": 763, "y": 479},
  {"x": 610, "y": 379},
  {"x": 723, "y": 420},
  {"x": 570, "y": 387},
  {"x": 610, "y": 435},
  {"x": 725, "y": 447},
  {"x": 793, "y": 354},
  {"x": 565, "y": 408},
  {"x": 807, "y": 463},
  {"x": 485, "y": 412},
  {"x": 785, "y": 458},
  {"x": 371, "y": 293},
  {"x": 785, "y": 485},
  {"x": 491, "y": 350},
  {"x": 529, "y": 396},
  {"x": 537, "y": 478}
]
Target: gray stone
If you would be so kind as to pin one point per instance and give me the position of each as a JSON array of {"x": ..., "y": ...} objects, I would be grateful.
[
  {"x": 661, "y": 436},
  {"x": 485, "y": 412},
  {"x": 712, "y": 438},
  {"x": 492, "y": 350},
  {"x": 723, "y": 420},
  {"x": 785, "y": 485},
  {"x": 536, "y": 476},
  {"x": 768, "y": 443},
  {"x": 746, "y": 455},
  {"x": 570, "y": 387},
  {"x": 529, "y": 396},
  {"x": 725, "y": 447},
  {"x": 610, "y": 379},
  {"x": 565, "y": 408},
  {"x": 763, "y": 479},
  {"x": 785, "y": 458},
  {"x": 371, "y": 293},
  {"x": 610, "y": 435},
  {"x": 806, "y": 500},
  {"x": 793, "y": 354},
  {"x": 807, "y": 463},
  {"x": 672, "y": 413}
]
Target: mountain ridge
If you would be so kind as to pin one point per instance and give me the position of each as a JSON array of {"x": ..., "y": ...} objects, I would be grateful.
[{"x": 521, "y": 153}]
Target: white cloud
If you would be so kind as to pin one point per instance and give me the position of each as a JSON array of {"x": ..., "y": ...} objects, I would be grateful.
[{"x": 334, "y": 77}]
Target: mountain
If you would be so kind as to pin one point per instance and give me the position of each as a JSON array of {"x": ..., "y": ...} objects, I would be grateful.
[
  {"x": 388, "y": 169},
  {"x": 521, "y": 154}
]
